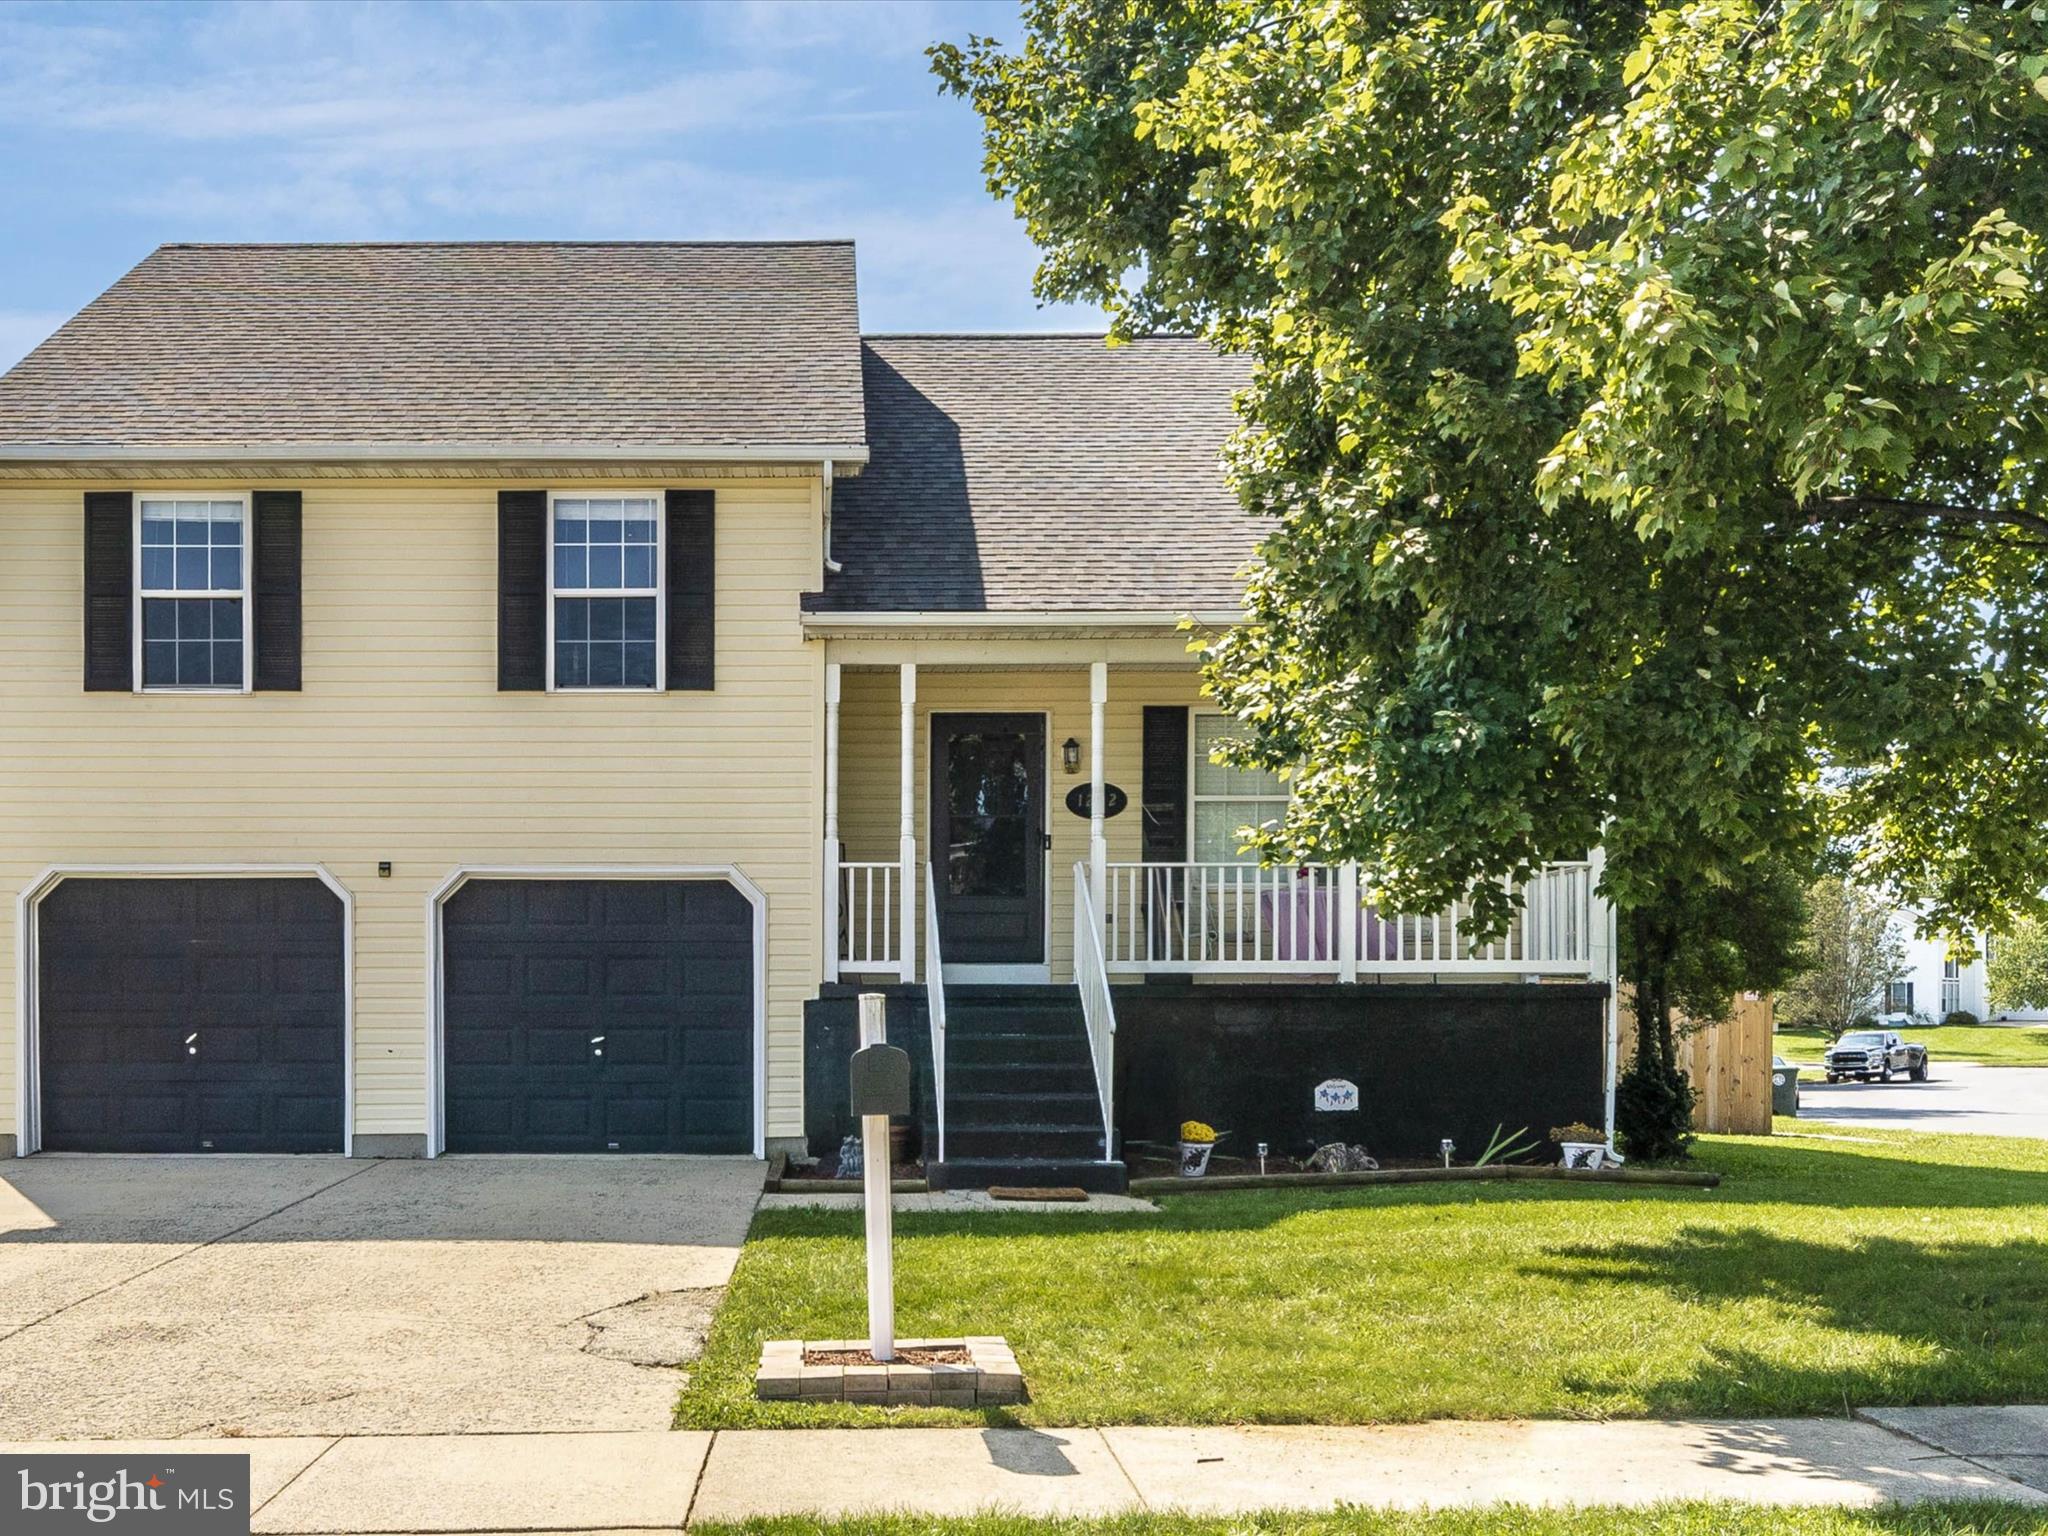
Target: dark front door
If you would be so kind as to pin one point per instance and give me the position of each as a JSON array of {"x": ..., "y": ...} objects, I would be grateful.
[
  {"x": 190, "y": 1016},
  {"x": 988, "y": 837},
  {"x": 598, "y": 1016}
]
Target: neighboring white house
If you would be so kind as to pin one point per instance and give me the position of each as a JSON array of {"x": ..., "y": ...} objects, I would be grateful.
[{"x": 1935, "y": 984}]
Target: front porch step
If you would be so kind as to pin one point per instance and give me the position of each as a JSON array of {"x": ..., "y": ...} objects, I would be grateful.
[
  {"x": 1024, "y": 1140},
  {"x": 978, "y": 1077},
  {"x": 1035, "y": 1020},
  {"x": 975, "y": 1049},
  {"x": 1015, "y": 1106},
  {"x": 1031, "y": 1173}
]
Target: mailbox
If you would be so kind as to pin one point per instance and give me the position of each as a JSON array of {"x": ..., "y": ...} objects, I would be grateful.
[{"x": 881, "y": 1080}]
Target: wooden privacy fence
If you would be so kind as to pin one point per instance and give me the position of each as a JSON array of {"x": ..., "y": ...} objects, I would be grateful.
[{"x": 1729, "y": 1064}]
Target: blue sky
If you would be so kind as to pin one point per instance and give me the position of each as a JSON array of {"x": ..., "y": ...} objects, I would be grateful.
[{"x": 125, "y": 126}]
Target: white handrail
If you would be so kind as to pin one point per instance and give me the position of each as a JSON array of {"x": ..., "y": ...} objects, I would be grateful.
[
  {"x": 935, "y": 1000},
  {"x": 1092, "y": 978}
]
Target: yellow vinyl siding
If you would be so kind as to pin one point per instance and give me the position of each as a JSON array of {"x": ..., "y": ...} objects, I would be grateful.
[
  {"x": 401, "y": 748},
  {"x": 870, "y": 747}
]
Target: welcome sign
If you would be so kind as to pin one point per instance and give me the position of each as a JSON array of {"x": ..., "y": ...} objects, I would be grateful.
[{"x": 181, "y": 1495}]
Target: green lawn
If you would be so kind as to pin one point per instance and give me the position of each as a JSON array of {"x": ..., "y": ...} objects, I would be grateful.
[
  {"x": 1503, "y": 1520},
  {"x": 1829, "y": 1270},
  {"x": 1993, "y": 1045}
]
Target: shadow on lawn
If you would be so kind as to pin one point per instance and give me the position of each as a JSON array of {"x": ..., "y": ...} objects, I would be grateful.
[{"x": 1976, "y": 1315}]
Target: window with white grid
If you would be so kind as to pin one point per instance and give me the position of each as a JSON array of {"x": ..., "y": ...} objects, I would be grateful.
[
  {"x": 191, "y": 590},
  {"x": 1226, "y": 799},
  {"x": 605, "y": 555}
]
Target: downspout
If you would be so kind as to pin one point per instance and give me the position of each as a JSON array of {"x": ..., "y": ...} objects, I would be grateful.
[{"x": 832, "y": 567}]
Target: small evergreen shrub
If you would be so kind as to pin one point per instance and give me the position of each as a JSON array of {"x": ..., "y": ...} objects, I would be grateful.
[
  {"x": 1653, "y": 1111},
  {"x": 1961, "y": 1017}
]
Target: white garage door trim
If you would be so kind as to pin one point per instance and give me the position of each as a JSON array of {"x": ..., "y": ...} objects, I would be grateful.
[
  {"x": 731, "y": 874},
  {"x": 28, "y": 1086}
]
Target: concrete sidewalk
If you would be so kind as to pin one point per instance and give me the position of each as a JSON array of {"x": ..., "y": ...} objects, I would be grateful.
[{"x": 653, "y": 1480}]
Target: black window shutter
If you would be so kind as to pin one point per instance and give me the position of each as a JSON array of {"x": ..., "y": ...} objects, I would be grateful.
[
  {"x": 275, "y": 585},
  {"x": 692, "y": 588},
  {"x": 1166, "y": 783},
  {"x": 522, "y": 591},
  {"x": 109, "y": 591}
]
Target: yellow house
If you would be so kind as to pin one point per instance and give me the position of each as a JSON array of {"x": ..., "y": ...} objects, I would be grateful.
[{"x": 509, "y": 697}]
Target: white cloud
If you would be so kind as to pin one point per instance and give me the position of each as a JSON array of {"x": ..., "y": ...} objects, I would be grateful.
[
  {"x": 23, "y": 330},
  {"x": 342, "y": 121},
  {"x": 873, "y": 27}
]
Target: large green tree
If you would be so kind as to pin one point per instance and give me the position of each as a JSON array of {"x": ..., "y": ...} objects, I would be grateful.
[
  {"x": 1857, "y": 949},
  {"x": 1648, "y": 405},
  {"x": 2018, "y": 968}
]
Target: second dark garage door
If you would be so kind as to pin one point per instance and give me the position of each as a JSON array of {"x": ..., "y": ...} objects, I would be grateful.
[{"x": 598, "y": 1016}]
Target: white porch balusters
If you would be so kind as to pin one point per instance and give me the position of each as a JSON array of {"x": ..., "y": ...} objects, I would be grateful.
[
  {"x": 830, "y": 865},
  {"x": 1098, "y": 845},
  {"x": 907, "y": 882}
]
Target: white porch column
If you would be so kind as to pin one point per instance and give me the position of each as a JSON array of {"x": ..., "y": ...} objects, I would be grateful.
[
  {"x": 830, "y": 862},
  {"x": 1098, "y": 846},
  {"x": 1603, "y": 951},
  {"x": 907, "y": 831},
  {"x": 1347, "y": 922}
]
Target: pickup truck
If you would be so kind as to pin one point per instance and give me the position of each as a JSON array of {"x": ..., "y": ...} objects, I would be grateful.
[{"x": 1874, "y": 1055}]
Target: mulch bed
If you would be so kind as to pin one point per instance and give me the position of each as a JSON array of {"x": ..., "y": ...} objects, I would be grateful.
[{"x": 903, "y": 1357}]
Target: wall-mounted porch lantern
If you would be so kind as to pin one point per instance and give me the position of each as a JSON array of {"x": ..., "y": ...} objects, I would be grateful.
[{"x": 1070, "y": 755}]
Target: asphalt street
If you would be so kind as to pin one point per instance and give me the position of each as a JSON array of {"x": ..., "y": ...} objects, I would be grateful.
[{"x": 1980, "y": 1101}]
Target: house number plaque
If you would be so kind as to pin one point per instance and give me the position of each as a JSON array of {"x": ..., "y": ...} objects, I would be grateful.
[{"x": 1113, "y": 800}]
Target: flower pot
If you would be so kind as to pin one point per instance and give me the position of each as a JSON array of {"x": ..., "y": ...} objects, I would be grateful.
[
  {"x": 1194, "y": 1158},
  {"x": 1588, "y": 1155}
]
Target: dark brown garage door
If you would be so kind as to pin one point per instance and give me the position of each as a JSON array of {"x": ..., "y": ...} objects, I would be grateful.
[
  {"x": 191, "y": 1016},
  {"x": 598, "y": 1016}
]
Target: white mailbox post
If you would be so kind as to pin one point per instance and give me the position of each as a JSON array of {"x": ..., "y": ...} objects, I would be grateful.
[{"x": 880, "y": 1087}]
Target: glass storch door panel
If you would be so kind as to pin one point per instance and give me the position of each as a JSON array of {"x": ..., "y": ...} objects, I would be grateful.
[{"x": 988, "y": 837}]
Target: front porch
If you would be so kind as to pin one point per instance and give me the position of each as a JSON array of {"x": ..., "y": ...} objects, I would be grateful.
[
  {"x": 1078, "y": 838},
  {"x": 1052, "y": 834}
]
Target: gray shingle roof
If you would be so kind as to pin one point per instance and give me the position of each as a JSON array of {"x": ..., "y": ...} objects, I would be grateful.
[
  {"x": 1041, "y": 473},
  {"x": 462, "y": 345}
]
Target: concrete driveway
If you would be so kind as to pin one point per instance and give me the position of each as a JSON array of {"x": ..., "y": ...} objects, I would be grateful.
[
  {"x": 1982, "y": 1101},
  {"x": 161, "y": 1297}
]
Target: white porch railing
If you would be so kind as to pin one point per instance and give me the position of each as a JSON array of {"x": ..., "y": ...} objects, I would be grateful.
[
  {"x": 1243, "y": 919},
  {"x": 1099, "y": 1012},
  {"x": 869, "y": 925},
  {"x": 935, "y": 1001}
]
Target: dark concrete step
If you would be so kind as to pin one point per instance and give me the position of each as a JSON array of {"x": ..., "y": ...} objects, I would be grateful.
[
  {"x": 1030, "y": 1173},
  {"x": 1012, "y": 1108},
  {"x": 1023, "y": 1140},
  {"x": 1041, "y": 1050},
  {"x": 1014, "y": 1021},
  {"x": 1067, "y": 1076}
]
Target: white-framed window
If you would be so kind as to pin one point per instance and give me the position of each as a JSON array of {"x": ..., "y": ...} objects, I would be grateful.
[
  {"x": 192, "y": 620},
  {"x": 1224, "y": 799},
  {"x": 606, "y": 601},
  {"x": 1951, "y": 986},
  {"x": 1898, "y": 997}
]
